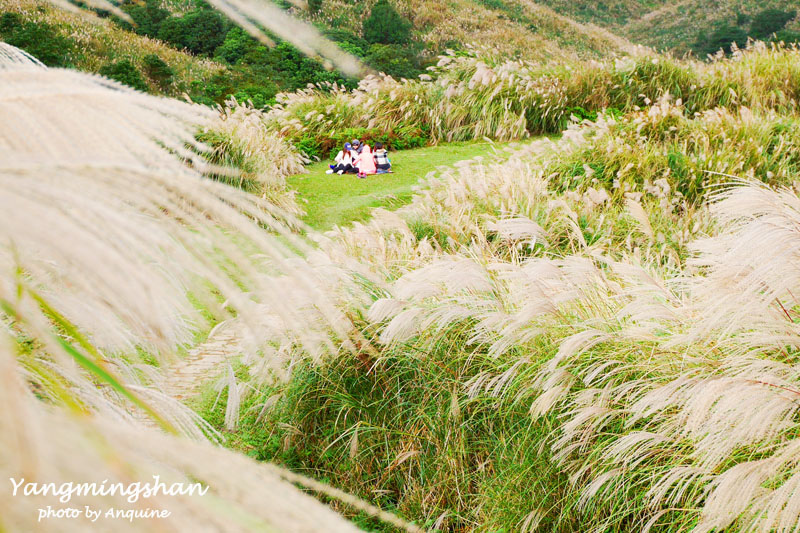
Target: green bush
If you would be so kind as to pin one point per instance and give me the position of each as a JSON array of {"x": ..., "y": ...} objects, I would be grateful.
[
  {"x": 236, "y": 45},
  {"x": 386, "y": 26},
  {"x": 400, "y": 138},
  {"x": 10, "y": 22},
  {"x": 314, "y": 5},
  {"x": 787, "y": 36},
  {"x": 722, "y": 38},
  {"x": 147, "y": 18},
  {"x": 769, "y": 21},
  {"x": 157, "y": 70},
  {"x": 349, "y": 41},
  {"x": 39, "y": 39},
  {"x": 124, "y": 72},
  {"x": 200, "y": 31},
  {"x": 393, "y": 60}
]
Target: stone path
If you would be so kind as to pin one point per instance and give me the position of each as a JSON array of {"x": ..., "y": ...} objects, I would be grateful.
[{"x": 204, "y": 361}]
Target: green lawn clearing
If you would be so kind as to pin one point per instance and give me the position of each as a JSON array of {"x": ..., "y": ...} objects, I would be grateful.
[{"x": 331, "y": 200}]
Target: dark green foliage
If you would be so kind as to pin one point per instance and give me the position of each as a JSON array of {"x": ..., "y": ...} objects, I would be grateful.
[
  {"x": 386, "y": 26},
  {"x": 256, "y": 73},
  {"x": 39, "y": 39},
  {"x": 787, "y": 36},
  {"x": 10, "y": 22},
  {"x": 742, "y": 19},
  {"x": 283, "y": 66},
  {"x": 396, "y": 61},
  {"x": 157, "y": 70},
  {"x": 244, "y": 84},
  {"x": 401, "y": 138},
  {"x": 236, "y": 45},
  {"x": 769, "y": 21},
  {"x": 314, "y": 5},
  {"x": 762, "y": 26},
  {"x": 720, "y": 39},
  {"x": 200, "y": 31},
  {"x": 147, "y": 17},
  {"x": 125, "y": 72},
  {"x": 349, "y": 41}
]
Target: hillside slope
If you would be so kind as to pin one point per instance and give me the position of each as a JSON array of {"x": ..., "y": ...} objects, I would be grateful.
[
  {"x": 87, "y": 43},
  {"x": 677, "y": 25},
  {"x": 672, "y": 25},
  {"x": 519, "y": 28},
  {"x": 185, "y": 47}
]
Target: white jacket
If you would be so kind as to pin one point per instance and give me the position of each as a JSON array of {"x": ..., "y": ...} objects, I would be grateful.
[{"x": 343, "y": 159}]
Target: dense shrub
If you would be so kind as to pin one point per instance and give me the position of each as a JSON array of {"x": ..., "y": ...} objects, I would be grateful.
[
  {"x": 10, "y": 22},
  {"x": 314, "y": 5},
  {"x": 157, "y": 70},
  {"x": 244, "y": 84},
  {"x": 721, "y": 38},
  {"x": 787, "y": 36},
  {"x": 349, "y": 41},
  {"x": 236, "y": 45},
  {"x": 769, "y": 21},
  {"x": 393, "y": 60},
  {"x": 39, "y": 39},
  {"x": 148, "y": 17},
  {"x": 125, "y": 72},
  {"x": 762, "y": 27},
  {"x": 200, "y": 31},
  {"x": 385, "y": 25},
  {"x": 282, "y": 65}
]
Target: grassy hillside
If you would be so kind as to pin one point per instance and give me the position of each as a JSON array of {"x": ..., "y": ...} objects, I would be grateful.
[
  {"x": 186, "y": 47},
  {"x": 676, "y": 25},
  {"x": 608, "y": 13},
  {"x": 600, "y": 333},
  {"x": 518, "y": 28},
  {"x": 586, "y": 337},
  {"x": 84, "y": 42}
]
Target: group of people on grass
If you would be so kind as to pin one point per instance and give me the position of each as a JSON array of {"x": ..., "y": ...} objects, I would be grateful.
[{"x": 357, "y": 158}]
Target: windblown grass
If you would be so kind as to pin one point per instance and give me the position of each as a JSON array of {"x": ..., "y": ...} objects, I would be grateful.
[
  {"x": 111, "y": 236},
  {"x": 610, "y": 349},
  {"x": 599, "y": 334},
  {"x": 474, "y": 97}
]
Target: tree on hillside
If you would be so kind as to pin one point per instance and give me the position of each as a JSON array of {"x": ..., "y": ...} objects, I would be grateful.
[
  {"x": 147, "y": 17},
  {"x": 722, "y": 38},
  {"x": 200, "y": 31},
  {"x": 386, "y": 26},
  {"x": 769, "y": 21},
  {"x": 125, "y": 72}
]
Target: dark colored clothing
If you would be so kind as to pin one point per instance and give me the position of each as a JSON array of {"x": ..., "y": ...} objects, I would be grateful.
[{"x": 348, "y": 169}]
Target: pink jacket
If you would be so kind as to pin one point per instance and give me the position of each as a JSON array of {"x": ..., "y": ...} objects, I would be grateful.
[{"x": 366, "y": 163}]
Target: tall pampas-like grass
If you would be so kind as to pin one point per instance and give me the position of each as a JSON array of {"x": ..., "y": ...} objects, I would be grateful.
[
  {"x": 115, "y": 243},
  {"x": 674, "y": 389}
]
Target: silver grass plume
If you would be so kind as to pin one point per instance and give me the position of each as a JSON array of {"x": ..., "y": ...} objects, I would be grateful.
[{"x": 108, "y": 224}]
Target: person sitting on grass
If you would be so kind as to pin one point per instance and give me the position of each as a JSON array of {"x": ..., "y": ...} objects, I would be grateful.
[
  {"x": 381, "y": 157},
  {"x": 357, "y": 146},
  {"x": 366, "y": 164},
  {"x": 344, "y": 162}
]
